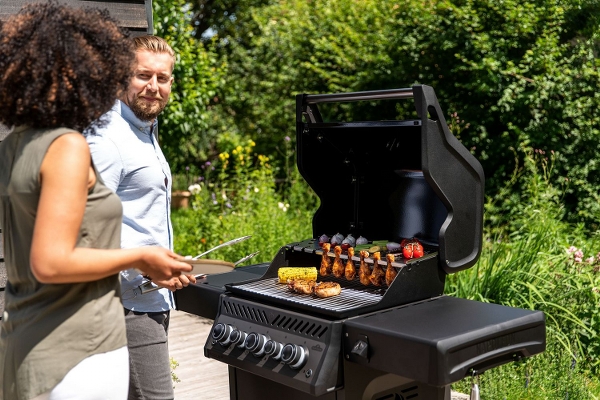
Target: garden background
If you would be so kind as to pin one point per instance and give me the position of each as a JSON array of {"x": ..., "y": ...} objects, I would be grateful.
[{"x": 518, "y": 81}]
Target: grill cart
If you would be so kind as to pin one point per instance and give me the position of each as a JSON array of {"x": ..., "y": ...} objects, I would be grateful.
[{"x": 393, "y": 180}]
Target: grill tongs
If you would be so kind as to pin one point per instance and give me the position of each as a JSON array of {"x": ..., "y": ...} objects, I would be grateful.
[{"x": 148, "y": 286}]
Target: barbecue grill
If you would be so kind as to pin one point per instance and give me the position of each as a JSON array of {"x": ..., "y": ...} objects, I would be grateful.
[{"x": 384, "y": 180}]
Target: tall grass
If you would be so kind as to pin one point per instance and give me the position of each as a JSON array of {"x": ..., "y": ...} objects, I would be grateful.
[{"x": 526, "y": 262}]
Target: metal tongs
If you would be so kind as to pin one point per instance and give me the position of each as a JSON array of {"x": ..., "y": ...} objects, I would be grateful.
[
  {"x": 147, "y": 286},
  {"x": 229, "y": 243}
]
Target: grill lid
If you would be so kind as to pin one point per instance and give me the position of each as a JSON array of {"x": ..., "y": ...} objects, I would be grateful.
[{"x": 365, "y": 174}]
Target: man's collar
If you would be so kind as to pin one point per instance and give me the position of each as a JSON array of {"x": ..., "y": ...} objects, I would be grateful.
[{"x": 124, "y": 111}]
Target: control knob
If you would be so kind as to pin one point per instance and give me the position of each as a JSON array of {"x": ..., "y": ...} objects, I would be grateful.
[
  {"x": 221, "y": 333},
  {"x": 293, "y": 355},
  {"x": 255, "y": 343},
  {"x": 273, "y": 349},
  {"x": 238, "y": 337}
]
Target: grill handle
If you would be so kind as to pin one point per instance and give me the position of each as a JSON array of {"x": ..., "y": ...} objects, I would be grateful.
[{"x": 405, "y": 93}]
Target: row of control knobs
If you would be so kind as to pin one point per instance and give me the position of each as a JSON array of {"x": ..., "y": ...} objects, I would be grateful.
[{"x": 259, "y": 345}]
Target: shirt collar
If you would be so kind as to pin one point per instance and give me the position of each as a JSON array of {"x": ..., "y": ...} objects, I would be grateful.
[{"x": 124, "y": 111}]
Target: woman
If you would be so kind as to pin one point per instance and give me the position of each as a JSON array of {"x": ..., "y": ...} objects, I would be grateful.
[{"x": 63, "y": 332}]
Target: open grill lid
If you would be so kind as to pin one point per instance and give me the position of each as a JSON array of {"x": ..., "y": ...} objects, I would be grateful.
[{"x": 388, "y": 180}]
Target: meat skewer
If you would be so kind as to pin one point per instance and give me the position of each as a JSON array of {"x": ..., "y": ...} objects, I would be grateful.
[
  {"x": 390, "y": 272},
  {"x": 365, "y": 272},
  {"x": 325, "y": 262},
  {"x": 338, "y": 266},
  {"x": 350, "y": 270},
  {"x": 377, "y": 276}
]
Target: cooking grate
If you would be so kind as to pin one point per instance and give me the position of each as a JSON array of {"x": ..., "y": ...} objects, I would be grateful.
[{"x": 348, "y": 299}]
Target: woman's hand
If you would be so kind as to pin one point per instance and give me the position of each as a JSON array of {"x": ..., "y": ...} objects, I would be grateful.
[{"x": 164, "y": 266}]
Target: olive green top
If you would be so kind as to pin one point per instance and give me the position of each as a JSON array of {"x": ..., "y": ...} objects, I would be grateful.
[{"x": 47, "y": 329}]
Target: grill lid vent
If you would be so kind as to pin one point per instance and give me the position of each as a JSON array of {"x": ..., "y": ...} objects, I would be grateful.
[
  {"x": 299, "y": 325},
  {"x": 245, "y": 312}
]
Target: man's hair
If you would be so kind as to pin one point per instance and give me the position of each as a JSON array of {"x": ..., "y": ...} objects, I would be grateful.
[
  {"x": 61, "y": 66},
  {"x": 154, "y": 44}
]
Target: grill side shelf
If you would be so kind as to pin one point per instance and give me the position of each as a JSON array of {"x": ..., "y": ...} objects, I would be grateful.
[{"x": 441, "y": 341}]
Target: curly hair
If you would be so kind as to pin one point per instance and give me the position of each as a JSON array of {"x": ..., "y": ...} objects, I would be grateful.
[{"x": 61, "y": 66}]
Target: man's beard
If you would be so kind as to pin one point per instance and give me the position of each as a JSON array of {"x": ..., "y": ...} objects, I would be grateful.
[{"x": 145, "y": 111}]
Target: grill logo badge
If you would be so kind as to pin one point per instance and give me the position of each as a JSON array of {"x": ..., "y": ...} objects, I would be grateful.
[
  {"x": 496, "y": 343},
  {"x": 317, "y": 347}
]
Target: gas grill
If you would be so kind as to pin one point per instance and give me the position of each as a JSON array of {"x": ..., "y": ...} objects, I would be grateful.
[{"x": 384, "y": 180}]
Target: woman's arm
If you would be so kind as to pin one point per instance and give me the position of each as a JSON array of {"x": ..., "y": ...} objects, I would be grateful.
[{"x": 66, "y": 175}]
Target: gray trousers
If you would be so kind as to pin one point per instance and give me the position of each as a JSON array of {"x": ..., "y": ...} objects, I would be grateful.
[{"x": 149, "y": 365}]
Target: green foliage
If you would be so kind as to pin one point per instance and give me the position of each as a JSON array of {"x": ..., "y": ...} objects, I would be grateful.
[
  {"x": 236, "y": 196},
  {"x": 517, "y": 73},
  {"x": 198, "y": 75},
  {"x": 222, "y": 17}
]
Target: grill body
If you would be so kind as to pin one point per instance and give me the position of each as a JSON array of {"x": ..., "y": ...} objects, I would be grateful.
[{"x": 381, "y": 180}]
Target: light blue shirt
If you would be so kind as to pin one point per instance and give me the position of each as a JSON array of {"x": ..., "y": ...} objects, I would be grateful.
[{"x": 132, "y": 164}]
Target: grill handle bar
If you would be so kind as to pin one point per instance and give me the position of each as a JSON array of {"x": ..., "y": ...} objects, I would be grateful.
[{"x": 405, "y": 93}]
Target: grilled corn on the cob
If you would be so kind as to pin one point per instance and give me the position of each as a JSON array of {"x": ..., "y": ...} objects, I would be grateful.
[{"x": 293, "y": 273}]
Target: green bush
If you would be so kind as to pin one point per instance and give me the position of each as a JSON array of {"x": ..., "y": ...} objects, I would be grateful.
[
  {"x": 515, "y": 73},
  {"x": 198, "y": 76},
  {"x": 237, "y": 196}
]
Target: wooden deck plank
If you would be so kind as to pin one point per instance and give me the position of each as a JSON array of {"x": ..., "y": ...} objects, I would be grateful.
[{"x": 200, "y": 377}]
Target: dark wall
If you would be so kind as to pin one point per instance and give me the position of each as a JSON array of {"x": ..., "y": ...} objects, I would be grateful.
[{"x": 135, "y": 15}]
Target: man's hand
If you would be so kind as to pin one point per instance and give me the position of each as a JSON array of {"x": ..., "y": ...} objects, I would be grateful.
[{"x": 176, "y": 283}]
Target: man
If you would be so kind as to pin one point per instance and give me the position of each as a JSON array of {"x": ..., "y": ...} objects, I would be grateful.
[{"x": 130, "y": 162}]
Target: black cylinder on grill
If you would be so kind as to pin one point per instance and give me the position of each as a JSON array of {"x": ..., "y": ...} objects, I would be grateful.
[{"x": 418, "y": 212}]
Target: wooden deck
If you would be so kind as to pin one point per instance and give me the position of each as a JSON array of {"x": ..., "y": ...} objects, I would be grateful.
[{"x": 201, "y": 377}]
